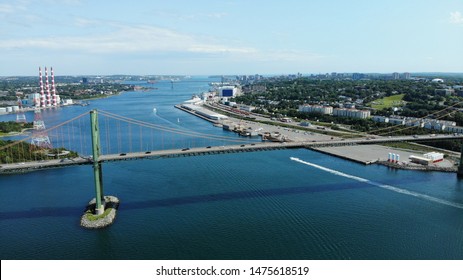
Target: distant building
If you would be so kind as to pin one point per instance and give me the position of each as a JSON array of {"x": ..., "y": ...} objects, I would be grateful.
[
  {"x": 395, "y": 76},
  {"x": 444, "y": 91},
  {"x": 357, "y": 76},
  {"x": 351, "y": 113},
  {"x": 324, "y": 110},
  {"x": 247, "y": 108},
  {"x": 397, "y": 120},
  {"x": 440, "y": 125},
  {"x": 67, "y": 102},
  {"x": 380, "y": 119},
  {"x": 407, "y": 76},
  {"x": 33, "y": 99},
  {"x": 454, "y": 129}
]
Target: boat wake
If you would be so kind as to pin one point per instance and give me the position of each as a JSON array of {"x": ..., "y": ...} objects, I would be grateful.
[{"x": 387, "y": 187}]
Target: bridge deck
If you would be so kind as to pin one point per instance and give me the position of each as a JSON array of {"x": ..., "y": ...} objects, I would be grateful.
[{"x": 250, "y": 147}]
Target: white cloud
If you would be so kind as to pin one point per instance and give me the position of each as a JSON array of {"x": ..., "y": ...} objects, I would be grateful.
[
  {"x": 212, "y": 49},
  {"x": 456, "y": 17},
  {"x": 99, "y": 38},
  {"x": 12, "y": 9},
  {"x": 84, "y": 22},
  {"x": 217, "y": 15},
  {"x": 6, "y": 9},
  {"x": 126, "y": 39},
  {"x": 288, "y": 56}
]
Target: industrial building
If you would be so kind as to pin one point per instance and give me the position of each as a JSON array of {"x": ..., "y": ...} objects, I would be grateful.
[
  {"x": 227, "y": 91},
  {"x": 427, "y": 158}
]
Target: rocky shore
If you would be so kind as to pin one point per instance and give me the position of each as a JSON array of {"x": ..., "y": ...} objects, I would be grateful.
[{"x": 91, "y": 221}]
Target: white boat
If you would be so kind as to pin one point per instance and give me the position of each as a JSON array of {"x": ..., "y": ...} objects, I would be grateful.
[{"x": 155, "y": 110}]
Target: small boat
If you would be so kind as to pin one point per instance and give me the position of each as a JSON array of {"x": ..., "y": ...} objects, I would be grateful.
[
  {"x": 178, "y": 119},
  {"x": 155, "y": 110}
]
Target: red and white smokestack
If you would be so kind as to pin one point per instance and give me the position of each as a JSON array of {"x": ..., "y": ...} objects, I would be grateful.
[
  {"x": 48, "y": 87},
  {"x": 42, "y": 94},
  {"x": 53, "y": 88}
]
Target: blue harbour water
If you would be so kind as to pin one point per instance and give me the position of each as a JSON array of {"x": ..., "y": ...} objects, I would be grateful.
[{"x": 258, "y": 205}]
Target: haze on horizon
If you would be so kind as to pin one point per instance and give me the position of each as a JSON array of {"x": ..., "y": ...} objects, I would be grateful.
[{"x": 82, "y": 37}]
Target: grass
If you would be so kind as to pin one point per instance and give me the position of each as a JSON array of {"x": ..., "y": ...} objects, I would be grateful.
[
  {"x": 91, "y": 217},
  {"x": 388, "y": 102},
  {"x": 408, "y": 146}
]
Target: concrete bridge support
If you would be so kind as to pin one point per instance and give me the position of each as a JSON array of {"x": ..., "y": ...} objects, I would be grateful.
[{"x": 460, "y": 166}]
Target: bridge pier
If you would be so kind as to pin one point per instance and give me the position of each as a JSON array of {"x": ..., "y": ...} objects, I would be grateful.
[
  {"x": 97, "y": 171},
  {"x": 460, "y": 166}
]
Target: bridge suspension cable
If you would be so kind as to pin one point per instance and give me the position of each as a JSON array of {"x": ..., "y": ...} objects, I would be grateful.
[
  {"x": 168, "y": 129},
  {"x": 46, "y": 130}
]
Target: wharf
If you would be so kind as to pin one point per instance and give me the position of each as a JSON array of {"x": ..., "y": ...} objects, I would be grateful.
[
  {"x": 369, "y": 154},
  {"x": 365, "y": 154},
  {"x": 196, "y": 114}
]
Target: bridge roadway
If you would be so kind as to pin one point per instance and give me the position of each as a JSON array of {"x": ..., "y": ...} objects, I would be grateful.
[{"x": 248, "y": 147}]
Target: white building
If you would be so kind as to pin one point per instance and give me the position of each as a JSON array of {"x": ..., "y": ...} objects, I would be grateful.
[
  {"x": 380, "y": 119},
  {"x": 67, "y": 102},
  {"x": 397, "y": 120},
  {"x": 325, "y": 110},
  {"x": 435, "y": 157},
  {"x": 414, "y": 122},
  {"x": 246, "y": 108},
  {"x": 351, "y": 113}
]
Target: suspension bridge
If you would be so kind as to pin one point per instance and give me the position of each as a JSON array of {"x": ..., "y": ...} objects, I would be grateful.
[
  {"x": 123, "y": 138},
  {"x": 111, "y": 137}
]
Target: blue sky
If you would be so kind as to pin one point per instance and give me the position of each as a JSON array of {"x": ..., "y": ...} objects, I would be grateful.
[{"x": 202, "y": 37}]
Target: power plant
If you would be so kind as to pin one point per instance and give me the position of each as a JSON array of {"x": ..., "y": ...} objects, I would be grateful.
[{"x": 47, "y": 97}]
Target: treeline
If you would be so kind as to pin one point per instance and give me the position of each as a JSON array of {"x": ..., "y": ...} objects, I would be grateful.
[
  {"x": 11, "y": 126},
  {"x": 24, "y": 151}
]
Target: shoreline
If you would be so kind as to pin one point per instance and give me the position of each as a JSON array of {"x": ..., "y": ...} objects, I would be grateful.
[{"x": 368, "y": 154}]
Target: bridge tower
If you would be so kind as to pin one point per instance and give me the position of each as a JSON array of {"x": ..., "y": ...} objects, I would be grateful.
[{"x": 97, "y": 171}]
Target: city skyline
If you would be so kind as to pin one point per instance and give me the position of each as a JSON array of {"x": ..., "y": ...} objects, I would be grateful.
[{"x": 80, "y": 37}]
